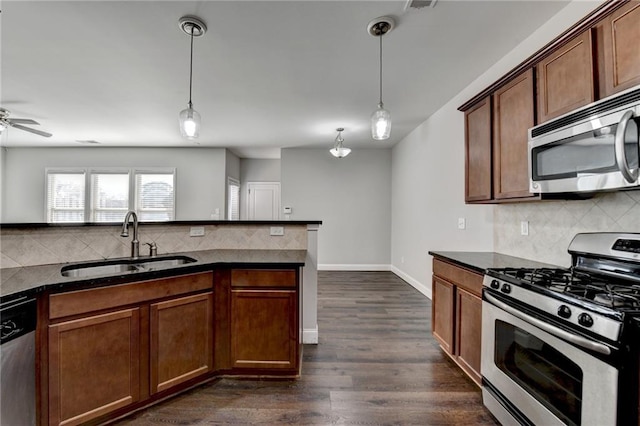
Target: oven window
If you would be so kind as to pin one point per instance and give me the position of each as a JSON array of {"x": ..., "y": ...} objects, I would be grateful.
[{"x": 549, "y": 376}]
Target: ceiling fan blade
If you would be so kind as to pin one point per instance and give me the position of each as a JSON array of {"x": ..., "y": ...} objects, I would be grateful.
[
  {"x": 22, "y": 121},
  {"x": 28, "y": 129}
]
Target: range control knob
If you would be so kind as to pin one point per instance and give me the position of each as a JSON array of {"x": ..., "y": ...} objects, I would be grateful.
[
  {"x": 585, "y": 320},
  {"x": 495, "y": 284},
  {"x": 564, "y": 311},
  {"x": 506, "y": 288}
]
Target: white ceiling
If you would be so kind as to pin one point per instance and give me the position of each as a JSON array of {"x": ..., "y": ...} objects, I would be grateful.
[{"x": 267, "y": 74}]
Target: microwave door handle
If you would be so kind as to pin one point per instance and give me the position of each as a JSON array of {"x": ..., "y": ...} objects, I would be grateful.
[
  {"x": 558, "y": 332},
  {"x": 621, "y": 156}
]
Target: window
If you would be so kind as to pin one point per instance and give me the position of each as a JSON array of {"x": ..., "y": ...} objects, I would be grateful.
[
  {"x": 110, "y": 193},
  {"x": 155, "y": 199},
  {"x": 109, "y": 196},
  {"x": 233, "y": 201},
  {"x": 65, "y": 197}
]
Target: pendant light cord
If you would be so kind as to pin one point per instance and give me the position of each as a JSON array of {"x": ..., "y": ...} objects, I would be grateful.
[
  {"x": 191, "y": 67},
  {"x": 380, "y": 69}
]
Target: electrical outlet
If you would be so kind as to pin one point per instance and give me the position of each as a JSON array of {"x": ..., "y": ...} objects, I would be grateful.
[
  {"x": 402, "y": 259},
  {"x": 524, "y": 227},
  {"x": 462, "y": 223},
  {"x": 277, "y": 230},
  {"x": 196, "y": 231}
]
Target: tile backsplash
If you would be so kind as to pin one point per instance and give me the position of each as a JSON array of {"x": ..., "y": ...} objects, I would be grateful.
[
  {"x": 553, "y": 224},
  {"x": 45, "y": 245}
]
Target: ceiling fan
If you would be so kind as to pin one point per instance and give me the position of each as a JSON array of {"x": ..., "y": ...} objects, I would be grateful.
[{"x": 17, "y": 123}]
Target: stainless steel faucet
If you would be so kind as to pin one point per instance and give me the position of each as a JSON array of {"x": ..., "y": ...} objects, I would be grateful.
[{"x": 135, "y": 243}]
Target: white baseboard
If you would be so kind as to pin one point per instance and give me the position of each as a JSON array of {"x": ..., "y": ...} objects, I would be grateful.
[
  {"x": 353, "y": 267},
  {"x": 426, "y": 290},
  {"x": 310, "y": 335}
]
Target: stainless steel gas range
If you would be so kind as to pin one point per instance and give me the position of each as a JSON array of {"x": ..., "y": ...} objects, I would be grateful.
[{"x": 561, "y": 346}]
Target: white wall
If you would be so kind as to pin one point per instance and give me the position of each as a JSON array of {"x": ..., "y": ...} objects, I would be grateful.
[
  {"x": 352, "y": 197},
  {"x": 428, "y": 172},
  {"x": 256, "y": 170},
  {"x": 3, "y": 168},
  {"x": 200, "y": 172},
  {"x": 232, "y": 162}
]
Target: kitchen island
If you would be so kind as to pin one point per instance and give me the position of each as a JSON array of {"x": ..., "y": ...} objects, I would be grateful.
[{"x": 108, "y": 345}]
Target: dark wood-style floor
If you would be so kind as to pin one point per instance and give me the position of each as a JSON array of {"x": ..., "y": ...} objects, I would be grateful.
[{"x": 376, "y": 364}]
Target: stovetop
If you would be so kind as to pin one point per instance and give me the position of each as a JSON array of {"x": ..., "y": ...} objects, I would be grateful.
[
  {"x": 589, "y": 288},
  {"x": 597, "y": 295}
]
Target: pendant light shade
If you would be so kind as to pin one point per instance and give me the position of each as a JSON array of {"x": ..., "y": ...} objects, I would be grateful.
[
  {"x": 190, "y": 123},
  {"x": 380, "y": 123},
  {"x": 338, "y": 150},
  {"x": 189, "y": 118},
  {"x": 381, "y": 118}
]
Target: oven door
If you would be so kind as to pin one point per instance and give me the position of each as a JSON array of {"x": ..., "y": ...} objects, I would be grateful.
[{"x": 533, "y": 376}]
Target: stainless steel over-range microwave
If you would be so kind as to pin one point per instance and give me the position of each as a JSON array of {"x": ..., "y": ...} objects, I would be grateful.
[{"x": 594, "y": 148}]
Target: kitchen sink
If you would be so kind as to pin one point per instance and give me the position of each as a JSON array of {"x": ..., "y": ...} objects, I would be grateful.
[{"x": 111, "y": 267}]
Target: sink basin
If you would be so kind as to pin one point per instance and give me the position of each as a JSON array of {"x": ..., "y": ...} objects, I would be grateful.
[{"x": 112, "y": 267}]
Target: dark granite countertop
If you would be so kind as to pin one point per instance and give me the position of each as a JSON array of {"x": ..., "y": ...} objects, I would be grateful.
[
  {"x": 30, "y": 280},
  {"x": 480, "y": 261}
]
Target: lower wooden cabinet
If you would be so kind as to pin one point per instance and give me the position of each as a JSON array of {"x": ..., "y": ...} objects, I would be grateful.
[
  {"x": 442, "y": 313},
  {"x": 111, "y": 348},
  {"x": 93, "y": 366},
  {"x": 457, "y": 315},
  {"x": 469, "y": 332},
  {"x": 181, "y": 340},
  {"x": 107, "y": 351},
  {"x": 265, "y": 320},
  {"x": 264, "y": 327}
]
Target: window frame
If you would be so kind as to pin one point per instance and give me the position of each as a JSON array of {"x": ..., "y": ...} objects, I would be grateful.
[{"x": 89, "y": 172}]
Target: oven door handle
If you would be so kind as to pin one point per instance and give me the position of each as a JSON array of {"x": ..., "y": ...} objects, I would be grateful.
[{"x": 558, "y": 332}]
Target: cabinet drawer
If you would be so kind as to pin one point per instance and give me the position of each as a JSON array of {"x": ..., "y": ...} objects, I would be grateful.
[
  {"x": 263, "y": 278},
  {"x": 470, "y": 281},
  {"x": 95, "y": 299}
]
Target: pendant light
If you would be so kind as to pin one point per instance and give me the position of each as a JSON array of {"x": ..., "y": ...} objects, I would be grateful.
[
  {"x": 381, "y": 118},
  {"x": 190, "y": 118},
  {"x": 338, "y": 150}
]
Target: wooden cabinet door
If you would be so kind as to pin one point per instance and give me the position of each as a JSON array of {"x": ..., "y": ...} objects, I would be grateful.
[
  {"x": 621, "y": 50},
  {"x": 442, "y": 313},
  {"x": 565, "y": 78},
  {"x": 264, "y": 329},
  {"x": 513, "y": 112},
  {"x": 93, "y": 366},
  {"x": 469, "y": 333},
  {"x": 181, "y": 340},
  {"x": 478, "y": 152}
]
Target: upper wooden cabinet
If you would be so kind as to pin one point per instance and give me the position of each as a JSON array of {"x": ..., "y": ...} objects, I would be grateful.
[
  {"x": 595, "y": 58},
  {"x": 565, "y": 78},
  {"x": 478, "y": 152},
  {"x": 513, "y": 112},
  {"x": 621, "y": 52}
]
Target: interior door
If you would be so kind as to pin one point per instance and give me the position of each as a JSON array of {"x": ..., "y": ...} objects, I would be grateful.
[{"x": 264, "y": 200}]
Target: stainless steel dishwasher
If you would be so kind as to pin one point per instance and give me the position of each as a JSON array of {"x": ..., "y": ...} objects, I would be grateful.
[{"x": 18, "y": 362}]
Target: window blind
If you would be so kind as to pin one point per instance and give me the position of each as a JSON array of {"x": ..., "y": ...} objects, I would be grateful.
[
  {"x": 233, "y": 203},
  {"x": 155, "y": 199},
  {"x": 65, "y": 197},
  {"x": 110, "y": 196}
]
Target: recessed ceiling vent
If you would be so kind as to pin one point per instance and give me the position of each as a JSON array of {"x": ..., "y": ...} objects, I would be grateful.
[{"x": 419, "y": 4}]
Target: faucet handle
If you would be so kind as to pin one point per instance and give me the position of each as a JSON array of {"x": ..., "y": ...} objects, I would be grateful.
[{"x": 153, "y": 248}]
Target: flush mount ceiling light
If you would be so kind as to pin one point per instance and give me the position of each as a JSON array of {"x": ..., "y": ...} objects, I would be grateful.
[
  {"x": 189, "y": 117},
  {"x": 381, "y": 118},
  {"x": 338, "y": 150}
]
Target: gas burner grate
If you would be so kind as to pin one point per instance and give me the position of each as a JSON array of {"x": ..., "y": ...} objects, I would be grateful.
[{"x": 577, "y": 284}]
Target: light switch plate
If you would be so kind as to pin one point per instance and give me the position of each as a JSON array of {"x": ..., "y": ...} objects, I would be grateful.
[
  {"x": 524, "y": 227},
  {"x": 277, "y": 230}
]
